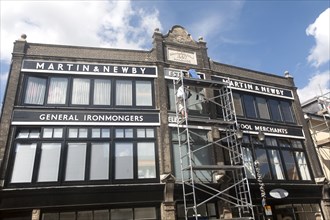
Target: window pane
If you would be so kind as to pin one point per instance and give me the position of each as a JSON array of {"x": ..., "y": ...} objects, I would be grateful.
[
  {"x": 250, "y": 109},
  {"x": 302, "y": 164},
  {"x": 171, "y": 97},
  {"x": 146, "y": 160},
  {"x": 271, "y": 142},
  {"x": 80, "y": 91},
  {"x": 275, "y": 110},
  {"x": 24, "y": 161},
  {"x": 75, "y": 162},
  {"x": 67, "y": 215},
  {"x": 50, "y": 216},
  {"x": 287, "y": 111},
  {"x": 85, "y": 215},
  {"x": 248, "y": 162},
  {"x": 101, "y": 214},
  {"x": 263, "y": 163},
  {"x": 296, "y": 144},
  {"x": 276, "y": 165},
  {"x": 129, "y": 133},
  {"x": 105, "y": 132},
  {"x": 99, "y": 161},
  {"x": 58, "y": 132},
  {"x": 49, "y": 162},
  {"x": 73, "y": 132},
  {"x": 121, "y": 214},
  {"x": 145, "y": 213},
  {"x": 48, "y": 133},
  {"x": 238, "y": 104},
  {"x": 57, "y": 91},
  {"x": 141, "y": 133},
  {"x": 24, "y": 133},
  {"x": 262, "y": 108},
  {"x": 35, "y": 91},
  {"x": 119, "y": 133},
  {"x": 102, "y": 92},
  {"x": 143, "y": 93},
  {"x": 96, "y": 133},
  {"x": 124, "y": 161},
  {"x": 284, "y": 143},
  {"x": 290, "y": 165},
  {"x": 34, "y": 133},
  {"x": 83, "y": 132},
  {"x": 150, "y": 132},
  {"x": 124, "y": 92}
]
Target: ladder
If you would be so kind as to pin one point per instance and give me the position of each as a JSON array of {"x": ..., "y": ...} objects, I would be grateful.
[{"x": 235, "y": 192}]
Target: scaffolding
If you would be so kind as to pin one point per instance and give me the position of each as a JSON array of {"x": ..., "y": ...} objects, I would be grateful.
[
  {"x": 320, "y": 127},
  {"x": 320, "y": 131},
  {"x": 229, "y": 184}
]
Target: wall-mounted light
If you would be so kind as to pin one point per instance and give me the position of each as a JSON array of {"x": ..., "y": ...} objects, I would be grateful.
[
  {"x": 239, "y": 134},
  {"x": 261, "y": 136}
]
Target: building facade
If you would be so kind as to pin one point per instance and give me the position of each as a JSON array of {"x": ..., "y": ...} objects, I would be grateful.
[
  {"x": 317, "y": 115},
  {"x": 91, "y": 133}
]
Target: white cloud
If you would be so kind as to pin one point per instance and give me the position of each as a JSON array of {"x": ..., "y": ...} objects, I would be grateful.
[
  {"x": 81, "y": 23},
  {"x": 320, "y": 30},
  {"x": 318, "y": 85},
  {"x": 115, "y": 24}
]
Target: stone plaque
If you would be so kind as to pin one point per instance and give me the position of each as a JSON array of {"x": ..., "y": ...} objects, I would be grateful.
[{"x": 182, "y": 57}]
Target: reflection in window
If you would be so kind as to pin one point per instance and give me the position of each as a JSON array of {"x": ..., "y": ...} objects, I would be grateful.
[
  {"x": 123, "y": 161},
  {"x": 302, "y": 164},
  {"x": 35, "y": 91},
  {"x": 57, "y": 91},
  {"x": 276, "y": 165},
  {"x": 124, "y": 92},
  {"x": 290, "y": 165},
  {"x": 238, "y": 104},
  {"x": 49, "y": 162},
  {"x": 248, "y": 163},
  {"x": 287, "y": 111},
  {"x": 263, "y": 163},
  {"x": 250, "y": 108},
  {"x": 262, "y": 108},
  {"x": 275, "y": 110},
  {"x": 24, "y": 162}
]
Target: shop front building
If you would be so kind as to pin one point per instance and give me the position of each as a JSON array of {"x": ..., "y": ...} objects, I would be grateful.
[{"x": 91, "y": 133}]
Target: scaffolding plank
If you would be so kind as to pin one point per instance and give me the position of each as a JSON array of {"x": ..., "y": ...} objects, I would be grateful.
[
  {"x": 204, "y": 83},
  {"x": 216, "y": 167},
  {"x": 210, "y": 121}
]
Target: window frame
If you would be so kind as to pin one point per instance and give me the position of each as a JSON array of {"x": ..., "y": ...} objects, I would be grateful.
[
  {"x": 269, "y": 99},
  {"x": 88, "y": 141},
  {"x": 270, "y": 146},
  {"x": 92, "y": 80}
]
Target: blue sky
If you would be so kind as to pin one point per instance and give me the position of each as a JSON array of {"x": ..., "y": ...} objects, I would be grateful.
[{"x": 267, "y": 36}]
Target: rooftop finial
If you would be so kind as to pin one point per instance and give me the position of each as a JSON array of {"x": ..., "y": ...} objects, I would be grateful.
[
  {"x": 287, "y": 74},
  {"x": 23, "y": 37}
]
